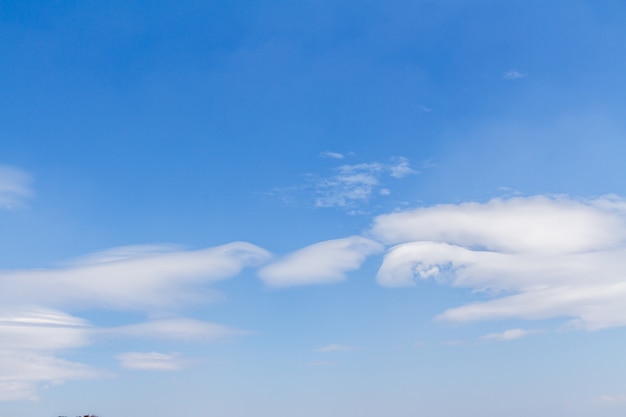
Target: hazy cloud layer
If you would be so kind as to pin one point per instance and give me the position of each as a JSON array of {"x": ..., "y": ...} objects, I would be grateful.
[{"x": 540, "y": 257}]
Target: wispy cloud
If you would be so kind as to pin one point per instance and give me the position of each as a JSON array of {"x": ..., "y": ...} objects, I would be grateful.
[
  {"x": 28, "y": 355},
  {"x": 349, "y": 186},
  {"x": 33, "y": 340},
  {"x": 354, "y": 184},
  {"x": 613, "y": 399},
  {"x": 136, "y": 278},
  {"x": 152, "y": 361},
  {"x": 323, "y": 262},
  {"x": 511, "y": 334},
  {"x": 34, "y": 331},
  {"x": 14, "y": 187},
  {"x": 332, "y": 155},
  {"x": 181, "y": 329},
  {"x": 513, "y": 75},
  {"x": 540, "y": 257},
  {"x": 336, "y": 348}
]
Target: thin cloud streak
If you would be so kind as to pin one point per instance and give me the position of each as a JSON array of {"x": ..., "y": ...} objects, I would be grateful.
[
  {"x": 15, "y": 187},
  {"x": 152, "y": 361}
]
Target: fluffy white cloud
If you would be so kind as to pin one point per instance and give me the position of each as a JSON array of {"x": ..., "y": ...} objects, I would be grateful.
[
  {"x": 14, "y": 187},
  {"x": 540, "y": 257},
  {"x": 535, "y": 224},
  {"x": 133, "y": 278},
  {"x": 152, "y": 361},
  {"x": 320, "y": 263}
]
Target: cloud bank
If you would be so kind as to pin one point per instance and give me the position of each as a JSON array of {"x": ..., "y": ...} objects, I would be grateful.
[{"x": 539, "y": 257}]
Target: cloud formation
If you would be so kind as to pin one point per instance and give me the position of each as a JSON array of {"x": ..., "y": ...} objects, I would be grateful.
[
  {"x": 152, "y": 361},
  {"x": 511, "y": 334},
  {"x": 14, "y": 187},
  {"x": 34, "y": 331},
  {"x": 33, "y": 339},
  {"x": 30, "y": 342},
  {"x": 332, "y": 155},
  {"x": 180, "y": 329},
  {"x": 321, "y": 263},
  {"x": 135, "y": 277},
  {"x": 336, "y": 348},
  {"x": 513, "y": 75},
  {"x": 353, "y": 184},
  {"x": 538, "y": 257}
]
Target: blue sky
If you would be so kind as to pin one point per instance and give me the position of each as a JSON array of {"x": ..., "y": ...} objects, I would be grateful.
[{"x": 312, "y": 208}]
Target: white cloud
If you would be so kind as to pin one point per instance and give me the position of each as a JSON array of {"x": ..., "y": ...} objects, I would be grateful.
[
  {"x": 511, "y": 334},
  {"x": 354, "y": 184},
  {"x": 23, "y": 333},
  {"x": 401, "y": 168},
  {"x": 14, "y": 187},
  {"x": 33, "y": 339},
  {"x": 30, "y": 341},
  {"x": 135, "y": 278},
  {"x": 323, "y": 262},
  {"x": 23, "y": 373},
  {"x": 513, "y": 75},
  {"x": 336, "y": 348},
  {"x": 129, "y": 278},
  {"x": 152, "y": 361},
  {"x": 539, "y": 257},
  {"x": 182, "y": 329},
  {"x": 517, "y": 225},
  {"x": 332, "y": 155}
]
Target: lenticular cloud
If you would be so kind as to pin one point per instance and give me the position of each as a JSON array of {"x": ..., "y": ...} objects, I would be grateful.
[{"x": 551, "y": 256}]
